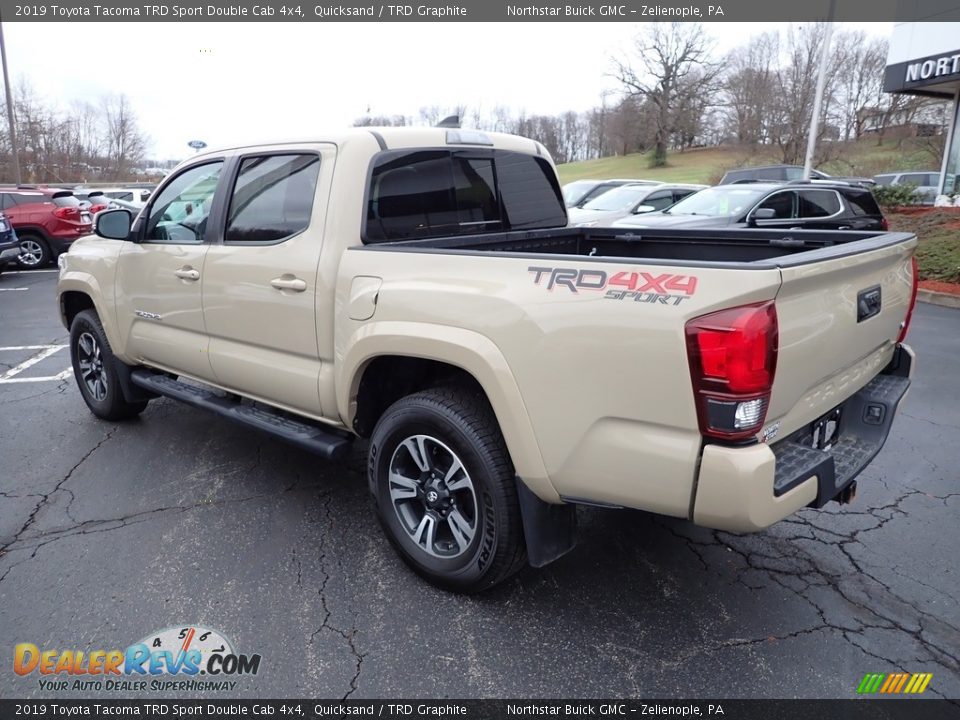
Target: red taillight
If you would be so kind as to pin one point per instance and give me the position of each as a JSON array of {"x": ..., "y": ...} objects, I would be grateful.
[
  {"x": 913, "y": 300},
  {"x": 94, "y": 209},
  {"x": 733, "y": 358},
  {"x": 884, "y": 225},
  {"x": 67, "y": 213}
]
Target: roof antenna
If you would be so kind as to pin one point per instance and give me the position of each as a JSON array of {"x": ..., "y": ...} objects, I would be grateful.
[{"x": 451, "y": 121}]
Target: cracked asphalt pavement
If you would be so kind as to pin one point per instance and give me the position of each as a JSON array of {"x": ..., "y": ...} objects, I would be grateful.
[{"x": 110, "y": 531}]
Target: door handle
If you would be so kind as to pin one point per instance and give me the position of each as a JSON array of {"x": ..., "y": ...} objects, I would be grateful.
[
  {"x": 187, "y": 273},
  {"x": 289, "y": 282},
  {"x": 844, "y": 227}
]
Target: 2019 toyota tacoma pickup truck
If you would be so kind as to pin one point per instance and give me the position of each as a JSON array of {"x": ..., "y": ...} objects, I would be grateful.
[{"x": 421, "y": 288}]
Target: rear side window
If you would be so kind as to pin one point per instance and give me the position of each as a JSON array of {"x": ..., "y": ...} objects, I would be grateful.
[
  {"x": 884, "y": 179},
  {"x": 863, "y": 204},
  {"x": 431, "y": 193},
  {"x": 272, "y": 198},
  {"x": 770, "y": 174},
  {"x": 659, "y": 200},
  {"x": 819, "y": 203}
]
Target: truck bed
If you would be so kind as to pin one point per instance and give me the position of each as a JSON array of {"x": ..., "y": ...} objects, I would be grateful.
[{"x": 740, "y": 247}]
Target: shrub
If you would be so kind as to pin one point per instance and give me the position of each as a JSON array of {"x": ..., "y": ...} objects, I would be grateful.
[{"x": 896, "y": 195}]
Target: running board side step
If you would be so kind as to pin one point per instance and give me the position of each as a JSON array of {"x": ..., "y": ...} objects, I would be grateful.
[{"x": 327, "y": 443}]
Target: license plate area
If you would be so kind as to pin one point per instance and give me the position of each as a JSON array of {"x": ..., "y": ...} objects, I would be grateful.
[{"x": 826, "y": 430}]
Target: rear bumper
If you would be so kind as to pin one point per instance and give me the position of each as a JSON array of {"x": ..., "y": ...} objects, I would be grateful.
[{"x": 745, "y": 489}]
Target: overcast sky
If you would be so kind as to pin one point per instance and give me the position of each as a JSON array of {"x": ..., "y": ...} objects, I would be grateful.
[{"x": 244, "y": 82}]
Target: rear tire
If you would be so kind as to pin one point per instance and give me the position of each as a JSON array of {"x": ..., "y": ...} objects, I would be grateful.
[
  {"x": 34, "y": 252},
  {"x": 445, "y": 490},
  {"x": 94, "y": 367}
]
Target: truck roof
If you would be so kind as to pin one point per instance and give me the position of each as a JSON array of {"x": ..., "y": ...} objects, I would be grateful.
[{"x": 390, "y": 138}]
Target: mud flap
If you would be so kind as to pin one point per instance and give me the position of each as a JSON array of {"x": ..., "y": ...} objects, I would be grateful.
[{"x": 550, "y": 530}]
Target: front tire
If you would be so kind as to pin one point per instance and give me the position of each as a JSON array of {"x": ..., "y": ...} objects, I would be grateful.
[
  {"x": 34, "y": 252},
  {"x": 94, "y": 367},
  {"x": 445, "y": 490}
]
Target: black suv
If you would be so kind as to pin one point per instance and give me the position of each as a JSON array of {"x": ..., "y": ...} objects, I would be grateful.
[{"x": 809, "y": 205}]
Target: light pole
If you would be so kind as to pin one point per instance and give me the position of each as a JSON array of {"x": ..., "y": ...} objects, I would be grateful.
[
  {"x": 818, "y": 95},
  {"x": 13, "y": 130}
]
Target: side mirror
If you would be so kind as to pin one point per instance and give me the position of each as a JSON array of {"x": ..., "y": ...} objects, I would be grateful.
[
  {"x": 113, "y": 224},
  {"x": 762, "y": 214},
  {"x": 640, "y": 209}
]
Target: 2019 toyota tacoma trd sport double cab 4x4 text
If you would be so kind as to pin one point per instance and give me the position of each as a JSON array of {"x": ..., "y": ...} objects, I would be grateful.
[{"x": 420, "y": 288}]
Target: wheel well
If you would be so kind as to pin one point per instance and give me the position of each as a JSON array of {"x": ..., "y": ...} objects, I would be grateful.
[
  {"x": 31, "y": 231},
  {"x": 387, "y": 379},
  {"x": 73, "y": 303}
]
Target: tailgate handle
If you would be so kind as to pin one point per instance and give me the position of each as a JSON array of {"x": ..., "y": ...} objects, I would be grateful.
[{"x": 868, "y": 303}]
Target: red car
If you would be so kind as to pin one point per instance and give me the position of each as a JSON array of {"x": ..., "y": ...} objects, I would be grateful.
[{"x": 47, "y": 221}]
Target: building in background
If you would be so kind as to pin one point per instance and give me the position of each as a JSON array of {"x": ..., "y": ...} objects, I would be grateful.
[{"x": 924, "y": 59}]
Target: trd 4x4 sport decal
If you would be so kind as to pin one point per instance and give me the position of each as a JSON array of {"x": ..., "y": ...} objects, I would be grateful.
[{"x": 662, "y": 288}]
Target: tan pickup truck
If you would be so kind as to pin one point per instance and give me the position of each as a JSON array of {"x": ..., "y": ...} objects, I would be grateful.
[{"x": 421, "y": 288}]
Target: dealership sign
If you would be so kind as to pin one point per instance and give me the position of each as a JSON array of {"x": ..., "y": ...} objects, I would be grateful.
[{"x": 923, "y": 72}]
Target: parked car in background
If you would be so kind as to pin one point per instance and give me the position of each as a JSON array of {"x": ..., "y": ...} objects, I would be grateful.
[
  {"x": 9, "y": 243},
  {"x": 927, "y": 182},
  {"x": 782, "y": 173},
  {"x": 579, "y": 192},
  {"x": 813, "y": 205},
  {"x": 634, "y": 199},
  {"x": 47, "y": 221},
  {"x": 129, "y": 194},
  {"x": 93, "y": 202},
  {"x": 133, "y": 207}
]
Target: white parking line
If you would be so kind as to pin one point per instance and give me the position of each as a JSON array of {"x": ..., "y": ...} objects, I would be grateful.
[
  {"x": 12, "y": 289},
  {"x": 28, "y": 272},
  {"x": 45, "y": 351}
]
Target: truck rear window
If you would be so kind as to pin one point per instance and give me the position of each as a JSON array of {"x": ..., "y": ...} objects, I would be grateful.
[{"x": 431, "y": 193}]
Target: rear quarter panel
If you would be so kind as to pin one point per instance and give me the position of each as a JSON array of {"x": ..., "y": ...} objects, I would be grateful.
[{"x": 604, "y": 382}]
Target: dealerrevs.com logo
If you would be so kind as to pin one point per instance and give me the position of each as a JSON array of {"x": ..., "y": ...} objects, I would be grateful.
[{"x": 171, "y": 659}]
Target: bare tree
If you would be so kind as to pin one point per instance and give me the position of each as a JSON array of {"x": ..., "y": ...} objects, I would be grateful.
[
  {"x": 860, "y": 85},
  {"x": 796, "y": 87},
  {"x": 749, "y": 88},
  {"x": 126, "y": 145},
  {"x": 667, "y": 57}
]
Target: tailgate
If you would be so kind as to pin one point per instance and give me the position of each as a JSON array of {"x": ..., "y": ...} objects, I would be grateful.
[{"x": 839, "y": 318}]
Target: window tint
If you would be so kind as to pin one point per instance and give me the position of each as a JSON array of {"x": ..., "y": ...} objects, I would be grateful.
[
  {"x": 818, "y": 203},
  {"x": 679, "y": 195},
  {"x": 66, "y": 201},
  {"x": 782, "y": 205},
  {"x": 180, "y": 211},
  {"x": 529, "y": 192},
  {"x": 430, "y": 193},
  {"x": 659, "y": 200},
  {"x": 476, "y": 194},
  {"x": 863, "y": 204},
  {"x": 770, "y": 174},
  {"x": 884, "y": 179},
  {"x": 272, "y": 198},
  {"x": 27, "y": 198},
  {"x": 794, "y": 173},
  {"x": 914, "y": 178}
]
